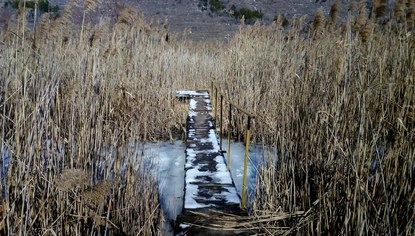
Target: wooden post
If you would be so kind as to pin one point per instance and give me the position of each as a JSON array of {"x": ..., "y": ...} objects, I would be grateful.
[
  {"x": 228, "y": 162},
  {"x": 248, "y": 134}
]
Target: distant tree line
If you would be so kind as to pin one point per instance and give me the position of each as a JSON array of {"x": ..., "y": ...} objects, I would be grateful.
[
  {"x": 248, "y": 13},
  {"x": 43, "y": 5},
  {"x": 216, "y": 6}
]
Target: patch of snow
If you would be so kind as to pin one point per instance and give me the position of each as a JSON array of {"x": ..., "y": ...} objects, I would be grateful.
[
  {"x": 190, "y": 202},
  {"x": 184, "y": 226},
  {"x": 193, "y": 104},
  {"x": 212, "y": 139},
  {"x": 208, "y": 104},
  {"x": 192, "y": 132},
  {"x": 191, "y": 93},
  {"x": 196, "y": 173},
  {"x": 231, "y": 196}
]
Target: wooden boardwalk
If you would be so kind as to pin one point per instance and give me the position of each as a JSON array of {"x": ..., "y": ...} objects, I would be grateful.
[{"x": 211, "y": 202}]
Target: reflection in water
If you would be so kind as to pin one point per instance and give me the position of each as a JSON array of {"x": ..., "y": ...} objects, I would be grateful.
[{"x": 4, "y": 161}]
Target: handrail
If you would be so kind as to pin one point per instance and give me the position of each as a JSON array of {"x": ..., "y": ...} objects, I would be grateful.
[
  {"x": 248, "y": 135},
  {"x": 252, "y": 116}
]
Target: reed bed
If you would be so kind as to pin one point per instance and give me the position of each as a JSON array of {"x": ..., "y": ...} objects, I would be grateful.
[
  {"x": 335, "y": 97},
  {"x": 76, "y": 101},
  {"x": 337, "y": 100}
]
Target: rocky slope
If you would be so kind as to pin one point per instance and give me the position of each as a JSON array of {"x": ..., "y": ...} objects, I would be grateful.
[{"x": 203, "y": 24}]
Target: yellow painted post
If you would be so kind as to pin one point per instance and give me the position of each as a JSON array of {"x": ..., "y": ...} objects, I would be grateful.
[
  {"x": 228, "y": 162},
  {"x": 211, "y": 91},
  {"x": 216, "y": 105},
  {"x": 248, "y": 134},
  {"x": 211, "y": 101},
  {"x": 221, "y": 121}
]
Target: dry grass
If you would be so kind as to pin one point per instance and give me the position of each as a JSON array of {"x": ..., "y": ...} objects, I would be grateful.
[
  {"x": 339, "y": 109},
  {"x": 76, "y": 100}
]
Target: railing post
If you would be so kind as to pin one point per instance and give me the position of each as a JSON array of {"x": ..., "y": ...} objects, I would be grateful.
[
  {"x": 248, "y": 134},
  {"x": 221, "y": 121},
  {"x": 211, "y": 89},
  {"x": 228, "y": 163},
  {"x": 216, "y": 105}
]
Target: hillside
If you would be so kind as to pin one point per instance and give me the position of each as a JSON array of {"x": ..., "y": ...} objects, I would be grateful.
[
  {"x": 184, "y": 14},
  {"x": 201, "y": 24}
]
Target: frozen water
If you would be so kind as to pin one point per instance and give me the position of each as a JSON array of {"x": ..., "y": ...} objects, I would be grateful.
[{"x": 169, "y": 162}]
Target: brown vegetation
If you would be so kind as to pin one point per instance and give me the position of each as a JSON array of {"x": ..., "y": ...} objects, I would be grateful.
[
  {"x": 337, "y": 101},
  {"x": 338, "y": 106}
]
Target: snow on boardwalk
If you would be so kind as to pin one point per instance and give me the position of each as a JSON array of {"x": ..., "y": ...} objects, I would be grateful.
[{"x": 209, "y": 188}]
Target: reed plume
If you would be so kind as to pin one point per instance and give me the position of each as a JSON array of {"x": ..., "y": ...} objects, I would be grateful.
[
  {"x": 411, "y": 13},
  {"x": 280, "y": 22},
  {"x": 318, "y": 22},
  {"x": 44, "y": 23},
  {"x": 127, "y": 16},
  {"x": 367, "y": 31},
  {"x": 362, "y": 17},
  {"x": 352, "y": 5},
  {"x": 58, "y": 25},
  {"x": 399, "y": 10},
  {"x": 333, "y": 11},
  {"x": 89, "y": 5},
  {"x": 380, "y": 7},
  {"x": 99, "y": 31}
]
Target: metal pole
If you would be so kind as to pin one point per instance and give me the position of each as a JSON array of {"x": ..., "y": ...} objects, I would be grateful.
[
  {"x": 216, "y": 105},
  {"x": 228, "y": 162},
  {"x": 211, "y": 89},
  {"x": 221, "y": 121},
  {"x": 248, "y": 134}
]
